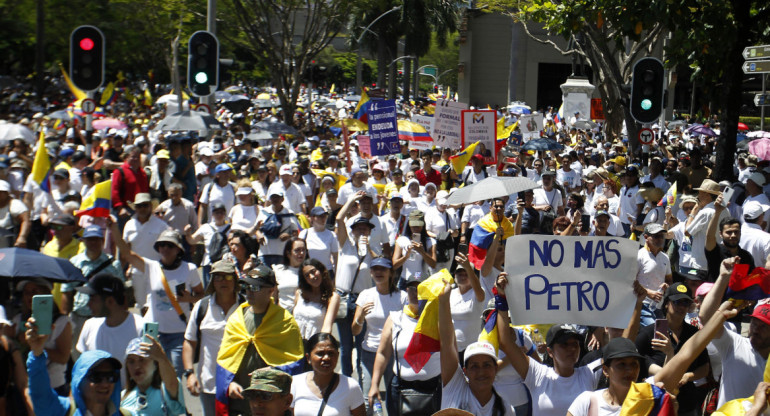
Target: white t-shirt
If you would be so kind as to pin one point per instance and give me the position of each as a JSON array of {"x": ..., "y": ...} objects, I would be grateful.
[
  {"x": 552, "y": 394},
  {"x": 568, "y": 179},
  {"x": 212, "y": 330},
  {"x": 346, "y": 269},
  {"x": 288, "y": 281},
  {"x": 207, "y": 231},
  {"x": 142, "y": 239},
  {"x": 629, "y": 199},
  {"x": 214, "y": 193},
  {"x": 309, "y": 316},
  {"x": 96, "y": 335},
  {"x": 346, "y": 397},
  {"x": 742, "y": 366},
  {"x": 685, "y": 247},
  {"x": 457, "y": 394},
  {"x": 552, "y": 198},
  {"x": 293, "y": 198},
  {"x": 243, "y": 218},
  {"x": 473, "y": 213},
  {"x": 347, "y": 190},
  {"x": 377, "y": 238},
  {"x": 375, "y": 320},
  {"x": 160, "y": 309},
  {"x": 508, "y": 382},
  {"x": 466, "y": 316},
  {"x": 697, "y": 229},
  {"x": 288, "y": 225},
  {"x": 438, "y": 222},
  {"x": 582, "y": 404},
  {"x": 652, "y": 270},
  {"x": 403, "y": 329},
  {"x": 414, "y": 262},
  {"x": 320, "y": 246}
]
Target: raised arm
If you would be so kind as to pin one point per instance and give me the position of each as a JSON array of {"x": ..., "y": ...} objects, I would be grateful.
[
  {"x": 633, "y": 325},
  {"x": 711, "y": 240},
  {"x": 342, "y": 231},
  {"x": 132, "y": 258},
  {"x": 446, "y": 330},
  {"x": 463, "y": 261},
  {"x": 519, "y": 360},
  {"x": 165, "y": 368},
  {"x": 714, "y": 297}
]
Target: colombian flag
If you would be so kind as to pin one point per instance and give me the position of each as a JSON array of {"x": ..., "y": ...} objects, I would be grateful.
[
  {"x": 738, "y": 407},
  {"x": 482, "y": 237},
  {"x": 277, "y": 340},
  {"x": 98, "y": 201},
  {"x": 363, "y": 107},
  {"x": 425, "y": 340},
  {"x": 489, "y": 332},
  {"x": 670, "y": 198},
  {"x": 748, "y": 286},
  {"x": 77, "y": 92},
  {"x": 461, "y": 159},
  {"x": 415, "y": 133},
  {"x": 644, "y": 399},
  {"x": 109, "y": 94},
  {"x": 41, "y": 166}
]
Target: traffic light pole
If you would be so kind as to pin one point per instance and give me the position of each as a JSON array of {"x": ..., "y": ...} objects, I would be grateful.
[
  {"x": 211, "y": 27},
  {"x": 89, "y": 126}
]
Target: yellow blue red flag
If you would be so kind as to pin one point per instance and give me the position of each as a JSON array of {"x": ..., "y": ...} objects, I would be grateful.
[
  {"x": 98, "y": 202},
  {"x": 425, "y": 340},
  {"x": 460, "y": 160},
  {"x": 41, "y": 166},
  {"x": 669, "y": 199},
  {"x": 482, "y": 237},
  {"x": 362, "y": 107}
]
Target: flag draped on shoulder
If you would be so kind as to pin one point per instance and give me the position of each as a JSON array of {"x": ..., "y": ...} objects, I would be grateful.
[
  {"x": 670, "y": 198},
  {"x": 41, "y": 166},
  {"x": 482, "y": 237},
  {"x": 363, "y": 107},
  {"x": 425, "y": 340},
  {"x": 644, "y": 399},
  {"x": 461, "y": 159},
  {"x": 277, "y": 340},
  {"x": 98, "y": 201}
]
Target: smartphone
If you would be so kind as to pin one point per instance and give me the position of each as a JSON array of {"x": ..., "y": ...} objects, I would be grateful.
[
  {"x": 661, "y": 325},
  {"x": 585, "y": 223},
  {"x": 522, "y": 195},
  {"x": 42, "y": 311},
  {"x": 463, "y": 248},
  {"x": 180, "y": 289},
  {"x": 150, "y": 328},
  {"x": 727, "y": 194}
]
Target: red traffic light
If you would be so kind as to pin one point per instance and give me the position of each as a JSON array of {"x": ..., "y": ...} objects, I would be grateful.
[{"x": 86, "y": 44}]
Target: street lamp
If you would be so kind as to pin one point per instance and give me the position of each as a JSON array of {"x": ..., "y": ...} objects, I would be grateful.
[
  {"x": 358, "y": 46},
  {"x": 392, "y": 70}
]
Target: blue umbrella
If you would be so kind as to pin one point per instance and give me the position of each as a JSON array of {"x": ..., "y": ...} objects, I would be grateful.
[
  {"x": 542, "y": 145},
  {"x": 702, "y": 130},
  {"x": 22, "y": 263}
]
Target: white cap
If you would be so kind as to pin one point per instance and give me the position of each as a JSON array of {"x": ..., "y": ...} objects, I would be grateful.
[
  {"x": 206, "y": 151},
  {"x": 5, "y": 186},
  {"x": 480, "y": 348},
  {"x": 244, "y": 190},
  {"x": 757, "y": 178},
  {"x": 752, "y": 210}
]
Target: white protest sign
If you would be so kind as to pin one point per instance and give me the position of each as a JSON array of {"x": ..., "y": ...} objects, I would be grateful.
[
  {"x": 531, "y": 125},
  {"x": 481, "y": 126},
  {"x": 447, "y": 128},
  {"x": 573, "y": 280},
  {"x": 425, "y": 121}
]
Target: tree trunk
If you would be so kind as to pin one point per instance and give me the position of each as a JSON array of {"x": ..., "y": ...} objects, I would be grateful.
[
  {"x": 407, "y": 72},
  {"x": 382, "y": 61}
]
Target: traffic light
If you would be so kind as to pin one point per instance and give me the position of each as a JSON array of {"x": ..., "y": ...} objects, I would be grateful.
[
  {"x": 87, "y": 58},
  {"x": 647, "y": 90},
  {"x": 203, "y": 63}
]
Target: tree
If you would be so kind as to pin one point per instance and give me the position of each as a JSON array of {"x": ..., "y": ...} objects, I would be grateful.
[{"x": 285, "y": 36}]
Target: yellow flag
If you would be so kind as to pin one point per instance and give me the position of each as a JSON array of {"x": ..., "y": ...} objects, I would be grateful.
[
  {"x": 77, "y": 92},
  {"x": 331, "y": 90},
  {"x": 147, "y": 98}
]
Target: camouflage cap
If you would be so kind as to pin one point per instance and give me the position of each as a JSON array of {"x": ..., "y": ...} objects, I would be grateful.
[{"x": 270, "y": 380}]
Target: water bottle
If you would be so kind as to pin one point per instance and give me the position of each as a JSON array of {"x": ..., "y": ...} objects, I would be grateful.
[
  {"x": 362, "y": 249},
  {"x": 413, "y": 255},
  {"x": 377, "y": 408},
  {"x": 537, "y": 338}
]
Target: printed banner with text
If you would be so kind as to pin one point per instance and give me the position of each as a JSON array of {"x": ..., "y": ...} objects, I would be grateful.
[
  {"x": 481, "y": 126},
  {"x": 447, "y": 124},
  {"x": 573, "y": 280},
  {"x": 383, "y": 130}
]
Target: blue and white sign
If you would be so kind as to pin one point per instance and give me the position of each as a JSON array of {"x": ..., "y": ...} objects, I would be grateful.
[
  {"x": 383, "y": 128},
  {"x": 572, "y": 280}
]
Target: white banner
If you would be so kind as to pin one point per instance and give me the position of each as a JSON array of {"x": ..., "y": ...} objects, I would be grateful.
[
  {"x": 531, "y": 125},
  {"x": 447, "y": 128},
  {"x": 573, "y": 280},
  {"x": 481, "y": 126},
  {"x": 425, "y": 121}
]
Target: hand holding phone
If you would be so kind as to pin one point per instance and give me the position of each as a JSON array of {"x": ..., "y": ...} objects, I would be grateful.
[
  {"x": 180, "y": 289},
  {"x": 661, "y": 325},
  {"x": 42, "y": 311},
  {"x": 585, "y": 223},
  {"x": 150, "y": 328}
]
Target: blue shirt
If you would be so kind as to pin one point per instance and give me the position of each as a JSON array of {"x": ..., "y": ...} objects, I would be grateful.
[
  {"x": 190, "y": 183},
  {"x": 153, "y": 402}
]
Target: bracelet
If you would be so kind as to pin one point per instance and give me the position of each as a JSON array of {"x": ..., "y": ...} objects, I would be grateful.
[{"x": 359, "y": 323}]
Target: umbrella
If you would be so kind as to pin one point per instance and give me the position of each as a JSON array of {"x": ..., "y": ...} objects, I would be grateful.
[
  {"x": 263, "y": 96},
  {"x": 758, "y": 134},
  {"x": 542, "y": 144},
  {"x": 109, "y": 123},
  {"x": 352, "y": 98},
  {"x": 169, "y": 98},
  {"x": 221, "y": 95},
  {"x": 189, "y": 121},
  {"x": 743, "y": 127},
  {"x": 11, "y": 132},
  {"x": 519, "y": 108},
  {"x": 21, "y": 263},
  {"x": 234, "y": 89},
  {"x": 740, "y": 137},
  {"x": 584, "y": 125},
  {"x": 237, "y": 103},
  {"x": 676, "y": 123},
  {"x": 415, "y": 133},
  {"x": 274, "y": 126},
  {"x": 743, "y": 145},
  {"x": 263, "y": 103},
  {"x": 257, "y": 135},
  {"x": 353, "y": 124},
  {"x": 64, "y": 115},
  {"x": 491, "y": 187},
  {"x": 702, "y": 130},
  {"x": 760, "y": 148}
]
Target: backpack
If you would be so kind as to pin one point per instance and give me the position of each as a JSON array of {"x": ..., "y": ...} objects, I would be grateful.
[
  {"x": 444, "y": 244},
  {"x": 273, "y": 225},
  {"x": 218, "y": 245},
  {"x": 203, "y": 308}
]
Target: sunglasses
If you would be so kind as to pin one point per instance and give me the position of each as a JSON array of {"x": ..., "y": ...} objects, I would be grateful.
[
  {"x": 165, "y": 244},
  {"x": 262, "y": 396},
  {"x": 97, "y": 377},
  {"x": 683, "y": 302},
  {"x": 220, "y": 277},
  {"x": 253, "y": 288}
]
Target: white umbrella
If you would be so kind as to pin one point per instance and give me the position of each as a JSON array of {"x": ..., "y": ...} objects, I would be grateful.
[
  {"x": 189, "y": 121},
  {"x": 12, "y": 132},
  {"x": 489, "y": 188},
  {"x": 758, "y": 134}
]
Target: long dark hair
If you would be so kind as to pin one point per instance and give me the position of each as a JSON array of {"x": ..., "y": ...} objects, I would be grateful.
[
  {"x": 327, "y": 286},
  {"x": 423, "y": 234},
  {"x": 288, "y": 247},
  {"x": 249, "y": 243}
]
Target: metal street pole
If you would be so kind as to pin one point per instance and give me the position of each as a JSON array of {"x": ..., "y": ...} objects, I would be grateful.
[
  {"x": 762, "y": 109},
  {"x": 211, "y": 26},
  {"x": 358, "y": 47},
  {"x": 392, "y": 82}
]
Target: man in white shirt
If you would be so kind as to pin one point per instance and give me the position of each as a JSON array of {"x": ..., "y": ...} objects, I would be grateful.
[
  {"x": 220, "y": 190},
  {"x": 293, "y": 197},
  {"x": 378, "y": 239},
  {"x": 654, "y": 271},
  {"x": 357, "y": 183},
  {"x": 176, "y": 211},
  {"x": 141, "y": 232},
  {"x": 567, "y": 177},
  {"x": 753, "y": 237},
  {"x": 395, "y": 221},
  {"x": 656, "y": 175},
  {"x": 698, "y": 221}
]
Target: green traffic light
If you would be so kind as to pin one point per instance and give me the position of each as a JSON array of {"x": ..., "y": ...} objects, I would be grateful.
[
  {"x": 201, "y": 78},
  {"x": 646, "y": 104}
]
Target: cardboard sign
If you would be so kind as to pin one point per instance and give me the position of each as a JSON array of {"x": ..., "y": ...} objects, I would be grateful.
[
  {"x": 531, "y": 125},
  {"x": 364, "y": 146},
  {"x": 425, "y": 121},
  {"x": 383, "y": 130},
  {"x": 572, "y": 280},
  {"x": 447, "y": 124},
  {"x": 597, "y": 109},
  {"x": 481, "y": 126}
]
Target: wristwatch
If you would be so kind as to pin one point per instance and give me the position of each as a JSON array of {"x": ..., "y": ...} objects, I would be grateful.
[{"x": 188, "y": 372}]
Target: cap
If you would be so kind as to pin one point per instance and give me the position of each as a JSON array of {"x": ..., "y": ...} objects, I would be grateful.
[
  {"x": 692, "y": 274},
  {"x": 549, "y": 172},
  {"x": 757, "y": 178},
  {"x": 285, "y": 170},
  {"x": 703, "y": 289},
  {"x": 559, "y": 334},
  {"x": 169, "y": 236},
  {"x": 397, "y": 171},
  {"x": 631, "y": 170},
  {"x": 653, "y": 195},
  {"x": 396, "y": 195},
  {"x": 677, "y": 291},
  {"x": 134, "y": 348},
  {"x": 63, "y": 219},
  {"x": 142, "y": 198},
  {"x": 39, "y": 281},
  {"x": 417, "y": 218},
  {"x": 244, "y": 190},
  {"x": 331, "y": 191},
  {"x": 653, "y": 228},
  {"x": 260, "y": 275},
  {"x": 601, "y": 213},
  {"x": 103, "y": 284},
  {"x": 223, "y": 266},
  {"x": 752, "y": 210},
  {"x": 274, "y": 191},
  {"x": 217, "y": 206},
  {"x": 479, "y": 348},
  {"x": 762, "y": 312},
  {"x": 93, "y": 231},
  {"x": 206, "y": 151},
  {"x": 61, "y": 173},
  {"x": 477, "y": 156},
  {"x": 162, "y": 154},
  {"x": 620, "y": 348},
  {"x": 381, "y": 262},
  {"x": 687, "y": 199},
  {"x": 66, "y": 152},
  {"x": 269, "y": 380},
  {"x": 317, "y": 211},
  {"x": 712, "y": 187},
  {"x": 222, "y": 167},
  {"x": 362, "y": 220}
]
